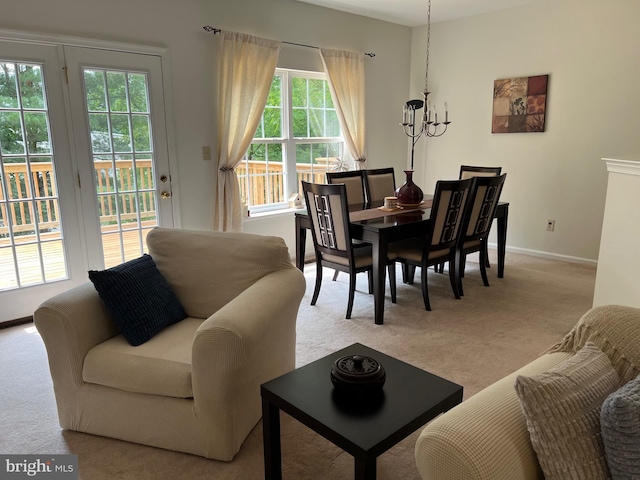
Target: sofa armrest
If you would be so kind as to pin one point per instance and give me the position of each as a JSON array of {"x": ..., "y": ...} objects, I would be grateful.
[
  {"x": 485, "y": 437},
  {"x": 614, "y": 329},
  {"x": 249, "y": 341}
]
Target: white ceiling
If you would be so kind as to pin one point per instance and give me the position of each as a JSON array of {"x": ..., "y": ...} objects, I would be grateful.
[{"x": 414, "y": 12}]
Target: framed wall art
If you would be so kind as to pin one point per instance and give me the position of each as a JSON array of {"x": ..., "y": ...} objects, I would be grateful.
[{"x": 519, "y": 104}]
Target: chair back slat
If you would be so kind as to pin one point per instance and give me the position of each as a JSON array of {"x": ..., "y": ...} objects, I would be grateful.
[
  {"x": 470, "y": 171},
  {"x": 354, "y": 181},
  {"x": 484, "y": 202},
  {"x": 448, "y": 209},
  {"x": 379, "y": 183},
  {"x": 329, "y": 214}
]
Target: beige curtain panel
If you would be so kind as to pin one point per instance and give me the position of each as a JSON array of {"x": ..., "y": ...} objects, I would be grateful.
[
  {"x": 345, "y": 72},
  {"x": 246, "y": 69}
]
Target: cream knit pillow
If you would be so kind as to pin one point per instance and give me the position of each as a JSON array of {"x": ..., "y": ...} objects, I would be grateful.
[{"x": 562, "y": 409}]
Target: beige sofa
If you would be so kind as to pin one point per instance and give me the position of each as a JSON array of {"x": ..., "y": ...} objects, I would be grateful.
[
  {"x": 195, "y": 386},
  {"x": 486, "y": 437}
]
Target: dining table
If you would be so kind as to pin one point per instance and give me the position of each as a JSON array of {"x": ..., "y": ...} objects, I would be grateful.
[{"x": 379, "y": 226}]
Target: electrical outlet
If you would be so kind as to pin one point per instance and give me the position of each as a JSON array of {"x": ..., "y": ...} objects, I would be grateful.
[
  {"x": 551, "y": 225},
  {"x": 206, "y": 153}
]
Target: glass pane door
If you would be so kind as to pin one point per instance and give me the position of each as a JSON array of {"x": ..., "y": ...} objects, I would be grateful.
[
  {"x": 35, "y": 168},
  {"x": 121, "y": 106},
  {"x": 120, "y": 129},
  {"x": 31, "y": 243}
]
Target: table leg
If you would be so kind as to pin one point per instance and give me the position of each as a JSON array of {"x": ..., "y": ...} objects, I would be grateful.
[
  {"x": 502, "y": 242},
  {"x": 301, "y": 243},
  {"x": 379, "y": 250},
  {"x": 365, "y": 469},
  {"x": 271, "y": 441}
]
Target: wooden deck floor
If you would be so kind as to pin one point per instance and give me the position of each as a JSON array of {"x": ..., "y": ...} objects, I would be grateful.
[{"x": 28, "y": 258}]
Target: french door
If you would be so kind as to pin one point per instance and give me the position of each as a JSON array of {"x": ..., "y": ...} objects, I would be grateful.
[
  {"x": 84, "y": 166},
  {"x": 117, "y": 110},
  {"x": 40, "y": 235}
]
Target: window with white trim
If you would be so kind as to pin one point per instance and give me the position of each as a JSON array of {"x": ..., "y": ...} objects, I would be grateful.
[{"x": 298, "y": 138}]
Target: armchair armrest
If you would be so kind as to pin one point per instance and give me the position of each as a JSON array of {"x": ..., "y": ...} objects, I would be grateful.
[
  {"x": 250, "y": 340},
  {"x": 70, "y": 324}
]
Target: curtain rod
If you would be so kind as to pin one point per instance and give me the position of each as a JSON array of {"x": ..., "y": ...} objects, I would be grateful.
[{"x": 215, "y": 31}]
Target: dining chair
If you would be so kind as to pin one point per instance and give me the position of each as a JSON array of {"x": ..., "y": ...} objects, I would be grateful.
[
  {"x": 329, "y": 214},
  {"x": 438, "y": 245},
  {"x": 354, "y": 181},
  {"x": 379, "y": 183},
  {"x": 483, "y": 202},
  {"x": 468, "y": 171}
]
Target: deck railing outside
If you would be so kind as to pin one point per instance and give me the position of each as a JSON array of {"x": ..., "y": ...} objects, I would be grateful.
[
  {"x": 262, "y": 183},
  {"x": 18, "y": 187},
  {"x": 129, "y": 203},
  {"x": 46, "y": 211},
  {"x": 262, "y": 187}
]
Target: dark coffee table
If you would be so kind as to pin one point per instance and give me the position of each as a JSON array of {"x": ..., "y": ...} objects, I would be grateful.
[{"x": 410, "y": 398}]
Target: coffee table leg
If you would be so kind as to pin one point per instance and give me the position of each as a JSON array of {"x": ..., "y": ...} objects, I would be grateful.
[
  {"x": 271, "y": 441},
  {"x": 365, "y": 469}
]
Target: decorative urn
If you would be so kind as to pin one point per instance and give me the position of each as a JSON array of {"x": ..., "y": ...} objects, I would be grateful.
[
  {"x": 357, "y": 375},
  {"x": 409, "y": 194}
]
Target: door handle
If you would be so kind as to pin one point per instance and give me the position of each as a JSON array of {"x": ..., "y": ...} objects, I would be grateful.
[{"x": 165, "y": 195}]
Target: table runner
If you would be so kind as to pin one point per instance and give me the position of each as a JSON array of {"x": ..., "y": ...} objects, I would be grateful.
[{"x": 369, "y": 213}]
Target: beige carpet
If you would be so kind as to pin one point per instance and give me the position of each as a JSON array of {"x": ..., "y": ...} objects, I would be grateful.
[{"x": 473, "y": 341}]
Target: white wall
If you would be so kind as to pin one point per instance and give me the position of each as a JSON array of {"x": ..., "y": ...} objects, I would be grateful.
[{"x": 590, "y": 51}]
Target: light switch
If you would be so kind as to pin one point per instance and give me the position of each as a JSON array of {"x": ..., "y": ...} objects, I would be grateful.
[{"x": 206, "y": 153}]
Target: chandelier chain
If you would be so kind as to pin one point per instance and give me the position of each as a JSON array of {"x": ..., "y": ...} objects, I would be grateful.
[{"x": 426, "y": 74}]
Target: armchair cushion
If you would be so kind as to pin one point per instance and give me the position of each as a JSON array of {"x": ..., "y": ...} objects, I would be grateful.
[
  {"x": 216, "y": 266},
  {"x": 162, "y": 366},
  {"x": 138, "y": 298}
]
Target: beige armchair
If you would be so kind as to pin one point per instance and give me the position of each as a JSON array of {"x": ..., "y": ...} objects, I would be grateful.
[{"x": 195, "y": 386}]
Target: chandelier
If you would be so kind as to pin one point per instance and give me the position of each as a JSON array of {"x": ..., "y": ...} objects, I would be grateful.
[{"x": 429, "y": 126}]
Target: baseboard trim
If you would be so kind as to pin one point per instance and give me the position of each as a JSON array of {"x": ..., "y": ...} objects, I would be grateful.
[
  {"x": 17, "y": 321},
  {"x": 550, "y": 256},
  {"x": 523, "y": 251}
]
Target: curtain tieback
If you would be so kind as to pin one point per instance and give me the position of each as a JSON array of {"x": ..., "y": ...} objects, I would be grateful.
[
  {"x": 361, "y": 159},
  {"x": 226, "y": 169}
]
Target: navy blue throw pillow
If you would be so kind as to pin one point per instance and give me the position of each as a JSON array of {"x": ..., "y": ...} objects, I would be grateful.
[{"x": 138, "y": 298}]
